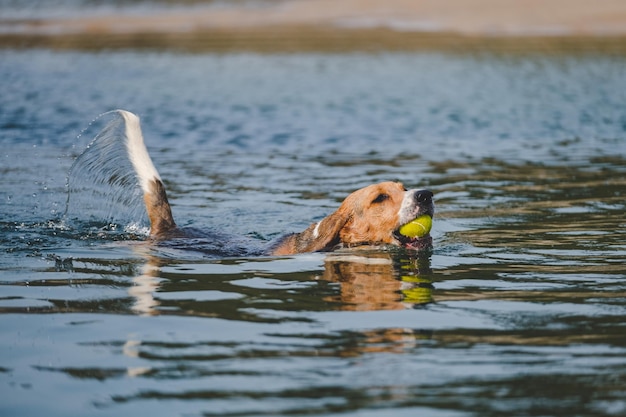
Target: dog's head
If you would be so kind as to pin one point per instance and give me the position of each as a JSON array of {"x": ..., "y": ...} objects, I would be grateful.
[
  {"x": 371, "y": 215},
  {"x": 374, "y": 214}
]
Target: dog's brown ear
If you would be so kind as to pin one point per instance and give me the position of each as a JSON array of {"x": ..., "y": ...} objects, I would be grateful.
[
  {"x": 320, "y": 236},
  {"x": 327, "y": 233}
]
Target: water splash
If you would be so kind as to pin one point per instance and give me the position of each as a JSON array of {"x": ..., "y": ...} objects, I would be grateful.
[{"x": 102, "y": 184}]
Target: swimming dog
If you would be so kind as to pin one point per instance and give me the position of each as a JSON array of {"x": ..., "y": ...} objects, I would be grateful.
[{"x": 371, "y": 215}]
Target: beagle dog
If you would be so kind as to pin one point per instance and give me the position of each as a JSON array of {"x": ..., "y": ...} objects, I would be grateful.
[{"x": 369, "y": 216}]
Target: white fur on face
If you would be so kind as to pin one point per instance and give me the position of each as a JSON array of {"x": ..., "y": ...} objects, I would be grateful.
[
  {"x": 316, "y": 231},
  {"x": 410, "y": 209}
]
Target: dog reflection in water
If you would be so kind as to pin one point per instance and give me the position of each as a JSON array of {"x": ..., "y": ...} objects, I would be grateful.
[
  {"x": 368, "y": 280},
  {"x": 379, "y": 280}
]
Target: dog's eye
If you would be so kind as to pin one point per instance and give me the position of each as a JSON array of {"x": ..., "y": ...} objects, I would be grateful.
[{"x": 380, "y": 198}]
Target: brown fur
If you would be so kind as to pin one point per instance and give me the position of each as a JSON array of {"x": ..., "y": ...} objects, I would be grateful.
[
  {"x": 159, "y": 211},
  {"x": 360, "y": 219}
]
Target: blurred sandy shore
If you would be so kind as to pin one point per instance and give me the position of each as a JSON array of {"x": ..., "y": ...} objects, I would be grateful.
[{"x": 340, "y": 25}]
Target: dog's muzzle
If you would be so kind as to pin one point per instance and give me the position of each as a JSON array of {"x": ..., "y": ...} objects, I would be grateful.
[{"x": 424, "y": 200}]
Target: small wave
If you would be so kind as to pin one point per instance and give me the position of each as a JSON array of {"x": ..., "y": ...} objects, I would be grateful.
[{"x": 102, "y": 184}]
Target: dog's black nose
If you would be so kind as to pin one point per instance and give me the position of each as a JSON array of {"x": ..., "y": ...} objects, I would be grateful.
[{"x": 424, "y": 196}]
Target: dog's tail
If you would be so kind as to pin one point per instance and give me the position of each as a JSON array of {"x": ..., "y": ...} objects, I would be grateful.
[{"x": 155, "y": 198}]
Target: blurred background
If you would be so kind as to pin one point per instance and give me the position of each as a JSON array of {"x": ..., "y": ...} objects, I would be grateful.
[{"x": 328, "y": 25}]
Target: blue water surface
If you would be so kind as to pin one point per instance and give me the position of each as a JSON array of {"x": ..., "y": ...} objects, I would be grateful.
[{"x": 519, "y": 310}]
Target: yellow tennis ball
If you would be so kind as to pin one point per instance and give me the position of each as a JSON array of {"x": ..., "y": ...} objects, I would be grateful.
[{"x": 418, "y": 227}]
